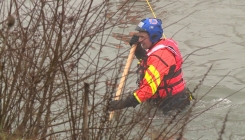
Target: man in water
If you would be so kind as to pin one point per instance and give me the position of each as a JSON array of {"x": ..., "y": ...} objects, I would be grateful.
[{"x": 161, "y": 78}]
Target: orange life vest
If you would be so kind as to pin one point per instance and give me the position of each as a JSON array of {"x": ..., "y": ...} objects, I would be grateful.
[{"x": 162, "y": 72}]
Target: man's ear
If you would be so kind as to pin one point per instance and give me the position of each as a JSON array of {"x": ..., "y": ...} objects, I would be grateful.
[{"x": 153, "y": 37}]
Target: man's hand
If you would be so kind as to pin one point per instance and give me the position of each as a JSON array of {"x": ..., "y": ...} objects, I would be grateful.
[
  {"x": 140, "y": 53},
  {"x": 130, "y": 101},
  {"x": 134, "y": 40},
  {"x": 116, "y": 105}
]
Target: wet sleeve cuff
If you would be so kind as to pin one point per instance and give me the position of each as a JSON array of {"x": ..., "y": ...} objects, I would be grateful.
[{"x": 131, "y": 101}]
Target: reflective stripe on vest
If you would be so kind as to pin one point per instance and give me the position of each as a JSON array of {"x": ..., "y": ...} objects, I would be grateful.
[{"x": 152, "y": 77}]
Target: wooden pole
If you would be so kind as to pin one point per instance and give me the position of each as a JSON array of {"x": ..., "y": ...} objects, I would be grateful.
[{"x": 124, "y": 76}]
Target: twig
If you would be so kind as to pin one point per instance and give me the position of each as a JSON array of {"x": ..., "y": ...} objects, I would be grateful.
[
  {"x": 85, "y": 111},
  {"x": 224, "y": 125}
]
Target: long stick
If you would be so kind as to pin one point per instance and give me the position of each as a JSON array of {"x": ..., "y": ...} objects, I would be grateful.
[{"x": 124, "y": 76}]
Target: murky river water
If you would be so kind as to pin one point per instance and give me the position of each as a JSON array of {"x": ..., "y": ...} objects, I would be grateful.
[
  {"x": 214, "y": 22},
  {"x": 216, "y": 27}
]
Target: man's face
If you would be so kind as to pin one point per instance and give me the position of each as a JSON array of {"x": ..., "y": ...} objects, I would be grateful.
[{"x": 144, "y": 40}]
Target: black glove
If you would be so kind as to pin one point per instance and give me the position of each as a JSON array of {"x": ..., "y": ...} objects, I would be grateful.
[
  {"x": 140, "y": 53},
  {"x": 134, "y": 40},
  {"x": 130, "y": 101}
]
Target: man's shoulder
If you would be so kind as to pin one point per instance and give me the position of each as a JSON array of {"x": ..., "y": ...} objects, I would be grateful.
[
  {"x": 163, "y": 53},
  {"x": 169, "y": 42}
]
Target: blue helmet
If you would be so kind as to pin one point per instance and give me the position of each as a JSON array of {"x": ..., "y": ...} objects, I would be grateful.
[{"x": 153, "y": 27}]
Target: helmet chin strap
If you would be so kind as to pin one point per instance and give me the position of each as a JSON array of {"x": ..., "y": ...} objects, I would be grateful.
[{"x": 152, "y": 44}]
